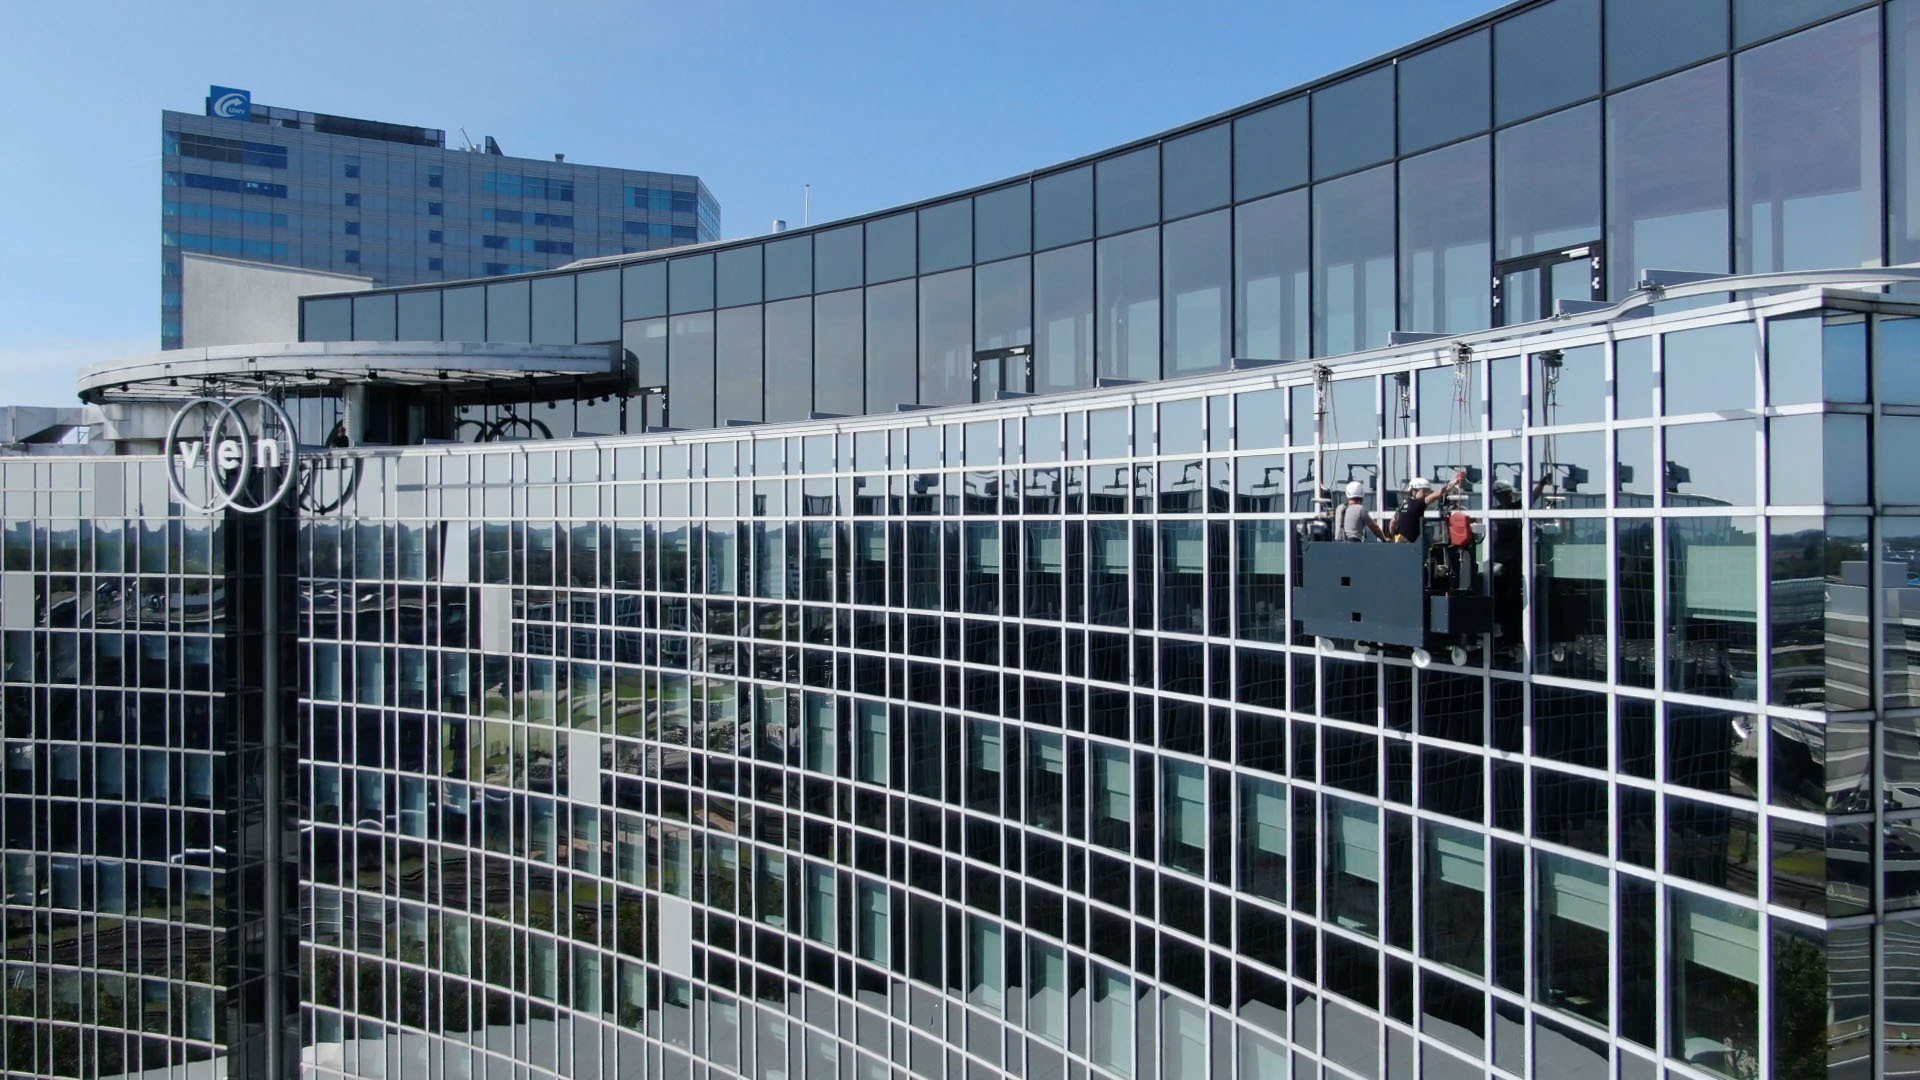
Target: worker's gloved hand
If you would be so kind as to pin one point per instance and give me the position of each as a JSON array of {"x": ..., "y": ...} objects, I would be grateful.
[{"x": 1499, "y": 569}]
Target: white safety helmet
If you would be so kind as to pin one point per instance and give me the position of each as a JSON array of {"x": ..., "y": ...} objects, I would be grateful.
[
  {"x": 1356, "y": 490},
  {"x": 1419, "y": 483},
  {"x": 1501, "y": 487}
]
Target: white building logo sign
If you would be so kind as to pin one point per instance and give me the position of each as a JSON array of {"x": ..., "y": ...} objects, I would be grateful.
[{"x": 231, "y": 455}]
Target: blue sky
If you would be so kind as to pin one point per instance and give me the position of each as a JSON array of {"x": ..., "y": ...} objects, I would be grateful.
[{"x": 872, "y": 104}]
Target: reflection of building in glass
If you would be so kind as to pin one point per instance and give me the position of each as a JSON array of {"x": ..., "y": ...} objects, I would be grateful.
[{"x": 990, "y": 736}]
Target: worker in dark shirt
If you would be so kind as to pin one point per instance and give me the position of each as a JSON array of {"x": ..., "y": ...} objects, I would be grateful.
[{"x": 1411, "y": 518}]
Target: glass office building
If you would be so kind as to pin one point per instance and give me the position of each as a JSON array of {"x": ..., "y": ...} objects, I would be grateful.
[
  {"x": 752, "y": 724},
  {"x": 394, "y": 203}
]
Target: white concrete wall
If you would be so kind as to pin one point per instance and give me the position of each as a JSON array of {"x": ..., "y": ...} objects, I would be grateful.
[{"x": 236, "y": 302}]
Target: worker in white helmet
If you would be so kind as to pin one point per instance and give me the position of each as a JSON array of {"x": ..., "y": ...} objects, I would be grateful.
[{"x": 1355, "y": 522}]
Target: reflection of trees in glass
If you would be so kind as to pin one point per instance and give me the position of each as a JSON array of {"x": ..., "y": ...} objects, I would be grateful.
[{"x": 1799, "y": 1010}]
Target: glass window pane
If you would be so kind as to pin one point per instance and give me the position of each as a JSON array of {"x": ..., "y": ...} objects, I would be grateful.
[
  {"x": 1127, "y": 189},
  {"x": 1714, "y": 973},
  {"x": 1547, "y": 183},
  {"x": 1271, "y": 266},
  {"x": 1353, "y": 275},
  {"x": 890, "y": 248},
  {"x": 373, "y": 318},
  {"x": 464, "y": 313},
  {"x": 1353, "y": 123},
  {"x": 1453, "y": 897},
  {"x": 1903, "y": 131},
  {"x": 1183, "y": 820},
  {"x": 1445, "y": 92},
  {"x": 737, "y": 276},
  {"x": 1446, "y": 263},
  {"x": 1572, "y": 958},
  {"x": 598, "y": 309},
  {"x": 1001, "y": 223},
  {"x": 1199, "y": 257},
  {"x": 946, "y": 236},
  {"x": 837, "y": 259},
  {"x": 643, "y": 290},
  {"x": 1667, "y": 176},
  {"x": 1812, "y": 564},
  {"x": 690, "y": 371},
  {"x": 1710, "y": 464},
  {"x": 1063, "y": 318},
  {"x": 508, "y": 312},
  {"x": 1270, "y": 149},
  {"x": 419, "y": 317},
  {"x": 1128, "y": 345},
  {"x": 1545, "y": 58},
  {"x": 1807, "y": 169},
  {"x": 1263, "y": 838},
  {"x": 1817, "y": 459},
  {"x": 946, "y": 338},
  {"x": 839, "y": 350},
  {"x": 1756, "y": 19},
  {"x": 789, "y": 267},
  {"x": 1353, "y": 865},
  {"x": 737, "y": 364},
  {"x": 690, "y": 284},
  {"x": 1063, "y": 208},
  {"x": 1710, "y": 369},
  {"x": 1002, "y": 304},
  {"x": 789, "y": 378},
  {"x": 1196, "y": 172},
  {"x": 332, "y": 320},
  {"x": 890, "y": 346},
  {"x": 1710, "y": 606},
  {"x": 553, "y": 314},
  {"x": 1648, "y": 37}
]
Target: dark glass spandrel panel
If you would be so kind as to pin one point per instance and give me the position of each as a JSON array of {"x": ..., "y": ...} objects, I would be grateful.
[
  {"x": 1710, "y": 369},
  {"x": 789, "y": 267},
  {"x": 1063, "y": 318},
  {"x": 1353, "y": 123},
  {"x": 690, "y": 371},
  {"x": 331, "y": 320},
  {"x": 419, "y": 314},
  {"x": 1446, "y": 255},
  {"x": 1445, "y": 93},
  {"x": 1063, "y": 208},
  {"x": 373, "y": 318},
  {"x": 1353, "y": 262},
  {"x": 890, "y": 347},
  {"x": 1756, "y": 19},
  {"x": 839, "y": 259},
  {"x": 789, "y": 378},
  {"x": 1197, "y": 171},
  {"x": 1648, "y": 37},
  {"x": 464, "y": 313},
  {"x": 1544, "y": 58},
  {"x": 1270, "y": 150},
  {"x": 1903, "y": 131},
  {"x": 643, "y": 290},
  {"x": 1667, "y": 154},
  {"x": 839, "y": 349},
  {"x": 890, "y": 248},
  {"x": 737, "y": 371},
  {"x": 1127, "y": 191},
  {"x": 1710, "y": 606},
  {"x": 736, "y": 276},
  {"x": 1272, "y": 267},
  {"x": 1634, "y": 601},
  {"x": 690, "y": 284},
  {"x": 946, "y": 236},
  {"x": 1128, "y": 341},
  {"x": 508, "y": 312},
  {"x": 1807, "y": 160},
  {"x": 1003, "y": 304},
  {"x": 946, "y": 338},
  {"x": 553, "y": 312},
  {"x": 1546, "y": 177},
  {"x": 1002, "y": 223},
  {"x": 597, "y": 312},
  {"x": 1197, "y": 285}
]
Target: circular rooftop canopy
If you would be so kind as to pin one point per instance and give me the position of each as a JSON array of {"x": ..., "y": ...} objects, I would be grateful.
[{"x": 318, "y": 368}]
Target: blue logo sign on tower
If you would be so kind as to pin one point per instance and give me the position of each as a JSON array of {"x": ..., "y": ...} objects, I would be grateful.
[{"x": 227, "y": 102}]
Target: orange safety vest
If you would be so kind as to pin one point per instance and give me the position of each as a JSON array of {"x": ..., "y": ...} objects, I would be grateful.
[{"x": 1460, "y": 530}]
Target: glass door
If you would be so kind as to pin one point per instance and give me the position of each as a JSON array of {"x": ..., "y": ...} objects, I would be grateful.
[{"x": 1526, "y": 288}]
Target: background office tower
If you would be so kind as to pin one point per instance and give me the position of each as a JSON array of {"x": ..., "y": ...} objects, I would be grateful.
[
  {"x": 989, "y": 738},
  {"x": 392, "y": 202}
]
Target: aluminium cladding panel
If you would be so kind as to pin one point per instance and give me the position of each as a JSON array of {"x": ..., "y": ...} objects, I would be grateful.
[{"x": 1363, "y": 592}]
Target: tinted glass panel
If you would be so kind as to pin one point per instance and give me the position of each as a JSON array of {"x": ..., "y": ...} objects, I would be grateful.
[
  {"x": 1647, "y": 37},
  {"x": 946, "y": 236},
  {"x": 946, "y": 338},
  {"x": 1756, "y": 19},
  {"x": 890, "y": 347},
  {"x": 1807, "y": 173},
  {"x": 1667, "y": 181},
  {"x": 789, "y": 378},
  {"x": 1197, "y": 285},
  {"x": 420, "y": 314},
  {"x": 737, "y": 365},
  {"x": 1445, "y": 92},
  {"x": 690, "y": 284},
  {"x": 1353, "y": 260},
  {"x": 553, "y": 310},
  {"x": 1128, "y": 341},
  {"x": 837, "y": 260},
  {"x": 1001, "y": 224},
  {"x": 643, "y": 290},
  {"x": 1002, "y": 304},
  {"x": 1547, "y": 183},
  {"x": 1710, "y": 369},
  {"x": 1270, "y": 149},
  {"x": 507, "y": 312},
  {"x": 890, "y": 246},
  {"x": 1903, "y": 130},
  {"x": 737, "y": 277},
  {"x": 598, "y": 313},
  {"x": 1353, "y": 123},
  {"x": 690, "y": 371},
  {"x": 789, "y": 267},
  {"x": 1271, "y": 267},
  {"x": 332, "y": 320},
  {"x": 1545, "y": 58},
  {"x": 1063, "y": 208},
  {"x": 1445, "y": 256},
  {"x": 1127, "y": 189},
  {"x": 838, "y": 350},
  {"x": 465, "y": 313},
  {"x": 1196, "y": 171},
  {"x": 373, "y": 318},
  {"x": 1063, "y": 318}
]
